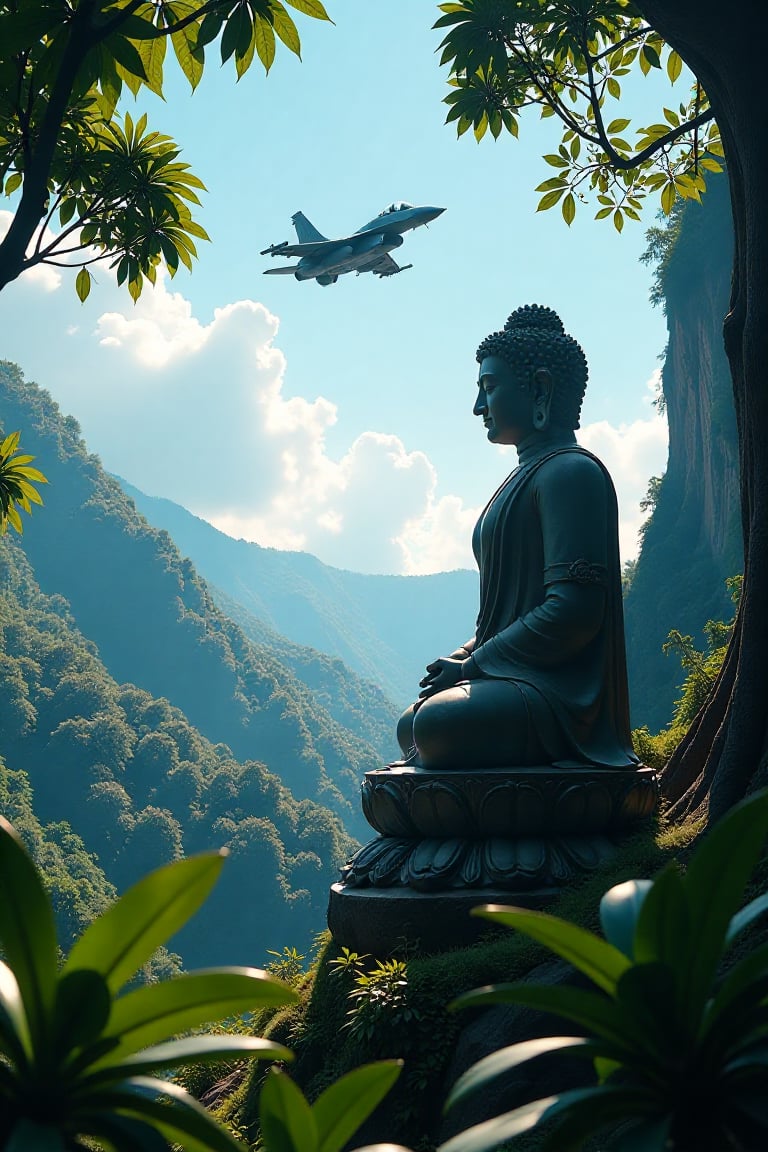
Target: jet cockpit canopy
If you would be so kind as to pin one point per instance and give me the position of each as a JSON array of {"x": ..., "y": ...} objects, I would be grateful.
[{"x": 396, "y": 206}]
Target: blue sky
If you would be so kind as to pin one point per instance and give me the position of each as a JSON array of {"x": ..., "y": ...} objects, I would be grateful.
[{"x": 341, "y": 416}]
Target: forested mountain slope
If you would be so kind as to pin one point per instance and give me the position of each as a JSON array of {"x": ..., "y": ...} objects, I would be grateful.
[
  {"x": 135, "y": 783},
  {"x": 154, "y": 622},
  {"x": 386, "y": 628},
  {"x": 693, "y": 540}
]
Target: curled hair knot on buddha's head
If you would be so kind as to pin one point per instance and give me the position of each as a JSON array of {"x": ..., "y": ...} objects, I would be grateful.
[{"x": 534, "y": 337}]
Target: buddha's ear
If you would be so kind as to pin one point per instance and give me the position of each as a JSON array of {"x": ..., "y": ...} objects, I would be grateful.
[{"x": 542, "y": 397}]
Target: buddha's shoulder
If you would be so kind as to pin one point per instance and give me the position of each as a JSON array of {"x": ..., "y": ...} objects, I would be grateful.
[{"x": 572, "y": 466}]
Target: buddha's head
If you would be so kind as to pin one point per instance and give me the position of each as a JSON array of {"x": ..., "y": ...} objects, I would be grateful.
[{"x": 533, "y": 376}]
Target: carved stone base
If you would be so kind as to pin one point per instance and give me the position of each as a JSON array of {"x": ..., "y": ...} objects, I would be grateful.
[
  {"x": 450, "y": 840},
  {"x": 379, "y": 921}
]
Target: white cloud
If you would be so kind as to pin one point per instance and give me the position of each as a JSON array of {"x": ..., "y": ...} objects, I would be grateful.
[
  {"x": 632, "y": 453},
  {"x": 198, "y": 413}
]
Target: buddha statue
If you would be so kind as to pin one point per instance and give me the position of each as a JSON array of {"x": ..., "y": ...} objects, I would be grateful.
[
  {"x": 518, "y": 773},
  {"x": 543, "y": 680}
]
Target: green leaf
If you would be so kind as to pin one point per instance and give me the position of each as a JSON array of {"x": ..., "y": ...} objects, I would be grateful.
[
  {"x": 286, "y": 30},
  {"x": 618, "y": 220},
  {"x": 491, "y": 1133},
  {"x": 663, "y": 930},
  {"x": 13, "y": 182},
  {"x": 264, "y": 40},
  {"x": 124, "y": 937},
  {"x": 598, "y": 960},
  {"x": 287, "y": 1122},
  {"x": 14, "y": 1031},
  {"x": 83, "y": 284},
  {"x": 753, "y": 911},
  {"x": 310, "y": 8},
  {"x": 82, "y": 1009},
  {"x": 668, "y": 196},
  {"x": 674, "y": 66},
  {"x": 555, "y": 160},
  {"x": 593, "y": 1011},
  {"x": 649, "y": 54},
  {"x": 341, "y": 1109},
  {"x": 583, "y": 1112},
  {"x": 620, "y": 906},
  {"x": 147, "y": 1015},
  {"x": 191, "y": 1049},
  {"x": 569, "y": 208},
  {"x": 27, "y": 928},
  {"x": 549, "y": 200},
  {"x": 170, "y": 1108},
  {"x": 511, "y": 1057},
  {"x": 616, "y": 126},
  {"x": 714, "y": 890}
]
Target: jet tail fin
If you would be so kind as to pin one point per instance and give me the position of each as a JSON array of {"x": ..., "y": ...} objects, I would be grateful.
[{"x": 305, "y": 231}]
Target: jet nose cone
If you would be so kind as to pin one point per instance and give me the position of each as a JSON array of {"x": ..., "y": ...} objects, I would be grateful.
[{"x": 429, "y": 214}]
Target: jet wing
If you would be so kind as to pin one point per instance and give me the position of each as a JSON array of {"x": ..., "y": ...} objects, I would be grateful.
[
  {"x": 382, "y": 266},
  {"x": 301, "y": 249},
  {"x": 289, "y": 271}
]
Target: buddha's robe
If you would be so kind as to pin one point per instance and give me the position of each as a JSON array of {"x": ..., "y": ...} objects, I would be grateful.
[{"x": 551, "y": 618}]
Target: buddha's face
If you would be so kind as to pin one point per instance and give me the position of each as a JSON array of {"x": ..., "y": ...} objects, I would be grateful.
[{"x": 504, "y": 402}]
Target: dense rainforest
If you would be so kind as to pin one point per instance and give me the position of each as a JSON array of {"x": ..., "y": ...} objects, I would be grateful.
[
  {"x": 384, "y": 627},
  {"x": 140, "y": 723}
]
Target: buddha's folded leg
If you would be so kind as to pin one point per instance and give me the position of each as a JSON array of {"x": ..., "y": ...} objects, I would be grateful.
[{"x": 478, "y": 724}]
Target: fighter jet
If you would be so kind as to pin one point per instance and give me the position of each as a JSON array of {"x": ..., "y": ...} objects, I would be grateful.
[{"x": 366, "y": 250}]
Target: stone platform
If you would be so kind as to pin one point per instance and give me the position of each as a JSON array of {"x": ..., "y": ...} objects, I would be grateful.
[{"x": 450, "y": 840}]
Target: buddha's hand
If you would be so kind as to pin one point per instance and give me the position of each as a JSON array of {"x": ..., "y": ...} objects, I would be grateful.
[{"x": 441, "y": 674}]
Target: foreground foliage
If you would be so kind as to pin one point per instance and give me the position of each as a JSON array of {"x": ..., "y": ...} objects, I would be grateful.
[
  {"x": 79, "y": 1053},
  {"x": 77, "y": 1060},
  {"x": 569, "y": 59},
  {"x": 16, "y": 488},
  {"x": 680, "y": 1056}
]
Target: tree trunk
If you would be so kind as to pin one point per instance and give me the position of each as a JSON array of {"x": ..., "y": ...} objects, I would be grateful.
[{"x": 725, "y": 754}]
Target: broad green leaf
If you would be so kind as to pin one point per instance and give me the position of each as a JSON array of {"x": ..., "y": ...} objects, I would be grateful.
[
  {"x": 620, "y": 906},
  {"x": 549, "y": 199},
  {"x": 124, "y": 937},
  {"x": 668, "y": 198},
  {"x": 663, "y": 929},
  {"x": 286, "y": 30},
  {"x": 163, "y": 1103},
  {"x": 674, "y": 66},
  {"x": 341, "y": 1109},
  {"x": 742, "y": 989},
  {"x": 191, "y": 1049},
  {"x": 583, "y": 1112},
  {"x": 753, "y": 911},
  {"x": 82, "y": 1009},
  {"x": 27, "y": 928},
  {"x": 598, "y": 960},
  {"x": 126, "y": 1133},
  {"x": 640, "y": 992},
  {"x": 593, "y": 1011},
  {"x": 83, "y": 284},
  {"x": 310, "y": 8},
  {"x": 645, "y": 1136},
  {"x": 287, "y": 1121},
  {"x": 491, "y": 1133},
  {"x": 714, "y": 882},
  {"x": 15, "y": 1040},
  {"x": 569, "y": 208},
  {"x": 510, "y": 1057},
  {"x": 13, "y": 182},
  {"x": 147, "y": 1015}
]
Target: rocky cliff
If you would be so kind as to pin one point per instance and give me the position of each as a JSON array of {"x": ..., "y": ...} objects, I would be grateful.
[{"x": 693, "y": 540}]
